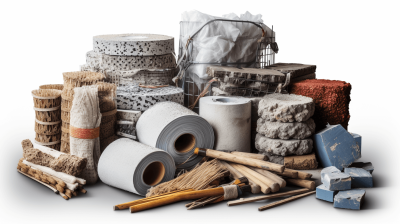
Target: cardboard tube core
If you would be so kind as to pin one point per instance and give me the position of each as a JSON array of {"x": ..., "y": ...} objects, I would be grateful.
[
  {"x": 153, "y": 173},
  {"x": 185, "y": 143}
]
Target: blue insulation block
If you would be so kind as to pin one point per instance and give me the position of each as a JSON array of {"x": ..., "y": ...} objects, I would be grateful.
[
  {"x": 324, "y": 194},
  {"x": 351, "y": 199},
  {"x": 334, "y": 180},
  {"x": 360, "y": 178},
  {"x": 335, "y": 146},
  {"x": 357, "y": 137},
  {"x": 366, "y": 166}
]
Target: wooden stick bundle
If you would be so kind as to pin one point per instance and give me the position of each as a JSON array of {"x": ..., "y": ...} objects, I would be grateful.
[{"x": 284, "y": 201}]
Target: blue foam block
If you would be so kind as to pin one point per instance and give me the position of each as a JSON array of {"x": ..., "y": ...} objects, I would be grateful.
[
  {"x": 351, "y": 199},
  {"x": 324, "y": 194},
  {"x": 360, "y": 178},
  {"x": 357, "y": 137},
  {"x": 366, "y": 166},
  {"x": 334, "y": 180},
  {"x": 335, "y": 146}
]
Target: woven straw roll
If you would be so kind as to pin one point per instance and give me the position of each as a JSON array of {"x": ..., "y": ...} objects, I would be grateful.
[{"x": 52, "y": 86}]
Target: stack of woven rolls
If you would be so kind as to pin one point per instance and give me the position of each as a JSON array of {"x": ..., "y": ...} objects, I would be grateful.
[
  {"x": 284, "y": 130},
  {"x": 53, "y": 169},
  {"x": 141, "y": 65},
  {"x": 126, "y": 123},
  {"x": 47, "y": 106},
  {"x": 72, "y": 80}
]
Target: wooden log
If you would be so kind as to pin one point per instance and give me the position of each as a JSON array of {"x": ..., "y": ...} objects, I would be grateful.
[
  {"x": 251, "y": 155},
  {"x": 177, "y": 197},
  {"x": 259, "y": 198},
  {"x": 264, "y": 187},
  {"x": 240, "y": 159},
  {"x": 270, "y": 183},
  {"x": 284, "y": 201},
  {"x": 272, "y": 176},
  {"x": 255, "y": 188},
  {"x": 302, "y": 183}
]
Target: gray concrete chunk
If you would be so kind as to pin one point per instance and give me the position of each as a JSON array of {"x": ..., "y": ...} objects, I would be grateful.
[
  {"x": 280, "y": 147},
  {"x": 296, "y": 130},
  {"x": 286, "y": 108}
]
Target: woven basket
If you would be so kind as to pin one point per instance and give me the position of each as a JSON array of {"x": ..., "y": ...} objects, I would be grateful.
[
  {"x": 48, "y": 116},
  {"x": 52, "y": 86},
  {"x": 64, "y": 147},
  {"x": 107, "y": 96},
  {"x": 105, "y": 142},
  {"x": 46, "y": 98},
  {"x": 45, "y": 129},
  {"x": 51, "y": 141},
  {"x": 82, "y": 78},
  {"x": 109, "y": 116},
  {"x": 65, "y": 116},
  {"x": 65, "y": 137},
  {"x": 65, "y": 126}
]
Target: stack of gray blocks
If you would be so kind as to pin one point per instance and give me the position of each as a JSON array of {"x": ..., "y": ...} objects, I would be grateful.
[{"x": 338, "y": 187}]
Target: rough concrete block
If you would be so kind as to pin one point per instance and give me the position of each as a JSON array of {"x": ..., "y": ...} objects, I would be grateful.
[
  {"x": 366, "y": 166},
  {"x": 324, "y": 194},
  {"x": 273, "y": 158},
  {"x": 331, "y": 98},
  {"x": 304, "y": 162},
  {"x": 360, "y": 178},
  {"x": 295, "y": 69},
  {"x": 334, "y": 146},
  {"x": 296, "y": 130},
  {"x": 280, "y": 147},
  {"x": 334, "y": 180},
  {"x": 357, "y": 138},
  {"x": 351, "y": 199},
  {"x": 286, "y": 108}
]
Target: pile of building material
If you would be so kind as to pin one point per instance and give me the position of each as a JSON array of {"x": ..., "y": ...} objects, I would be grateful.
[
  {"x": 337, "y": 187},
  {"x": 55, "y": 170},
  {"x": 126, "y": 123},
  {"x": 331, "y": 98},
  {"x": 284, "y": 130},
  {"x": 47, "y": 106}
]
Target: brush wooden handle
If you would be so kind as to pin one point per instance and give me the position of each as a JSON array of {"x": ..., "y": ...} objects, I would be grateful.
[
  {"x": 267, "y": 181},
  {"x": 177, "y": 197},
  {"x": 300, "y": 174},
  {"x": 272, "y": 176},
  {"x": 288, "y": 173},
  {"x": 284, "y": 201},
  {"x": 240, "y": 159},
  {"x": 302, "y": 183},
  {"x": 259, "y": 198},
  {"x": 255, "y": 188},
  {"x": 251, "y": 155},
  {"x": 264, "y": 188}
]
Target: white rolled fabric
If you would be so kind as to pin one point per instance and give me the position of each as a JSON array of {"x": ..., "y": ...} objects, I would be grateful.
[
  {"x": 134, "y": 167},
  {"x": 133, "y": 44},
  {"x": 177, "y": 130},
  {"x": 231, "y": 120}
]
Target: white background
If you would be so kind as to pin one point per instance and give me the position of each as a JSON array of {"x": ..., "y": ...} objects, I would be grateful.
[{"x": 354, "y": 41}]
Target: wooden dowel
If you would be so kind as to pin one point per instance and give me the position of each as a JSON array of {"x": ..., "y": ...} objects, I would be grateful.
[
  {"x": 259, "y": 198},
  {"x": 178, "y": 197},
  {"x": 270, "y": 183},
  {"x": 272, "y": 176},
  {"x": 240, "y": 159},
  {"x": 301, "y": 175},
  {"x": 288, "y": 173},
  {"x": 264, "y": 187},
  {"x": 284, "y": 201},
  {"x": 144, "y": 200},
  {"x": 255, "y": 188},
  {"x": 302, "y": 183},
  {"x": 251, "y": 155}
]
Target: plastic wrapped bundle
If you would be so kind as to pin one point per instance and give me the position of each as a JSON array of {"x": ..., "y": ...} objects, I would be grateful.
[
  {"x": 85, "y": 129},
  {"x": 47, "y": 106}
]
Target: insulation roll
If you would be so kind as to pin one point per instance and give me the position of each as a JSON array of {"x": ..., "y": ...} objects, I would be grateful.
[
  {"x": 126, "y": 63},
  {"x": 142, "y": 99},
  {"x": 155, "y": 77},
  {"x": 231, "y": 121},
  {"x": 133, "y": 44},
  {"x": 177, "y": 130},
  {"x": 134, "y": 167}
]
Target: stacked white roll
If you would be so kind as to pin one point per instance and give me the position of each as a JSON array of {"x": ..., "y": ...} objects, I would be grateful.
[
  {"x": 177, "y": 130},
  {"x": 231, "y": 121},
  {"x": 134, "y": 167}
]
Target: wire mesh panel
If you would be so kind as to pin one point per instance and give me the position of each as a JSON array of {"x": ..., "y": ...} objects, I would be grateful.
[{"x": 252, "y": 49}]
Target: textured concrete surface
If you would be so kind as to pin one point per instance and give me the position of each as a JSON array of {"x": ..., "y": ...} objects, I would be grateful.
[
  {"x": 296, "y": 130},
  {"x": 286, "y": 108},
  {"x": 281, "y": 147}
]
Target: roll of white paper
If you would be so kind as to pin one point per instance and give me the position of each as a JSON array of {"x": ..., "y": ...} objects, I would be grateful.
[
  {"x": 133, "y": 44},
  {"x": 177, "y": 130},
  {"x": 134, "y": 167},
  {"x": 231, "y": 120}
]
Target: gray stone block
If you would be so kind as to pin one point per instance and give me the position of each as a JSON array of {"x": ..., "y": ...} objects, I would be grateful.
[
  {"x": 280, "y": 147},
  {"x": 296, "y": 130},
  {"x": 286, "y": 108}
]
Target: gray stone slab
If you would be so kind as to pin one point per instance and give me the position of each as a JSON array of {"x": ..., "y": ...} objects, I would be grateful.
[
  {"x": 279, "y": 147},
  {"x": 296, "y": 130}
]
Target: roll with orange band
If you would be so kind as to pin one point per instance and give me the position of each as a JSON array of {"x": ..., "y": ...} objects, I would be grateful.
[{"x": 84, "y": 133}]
